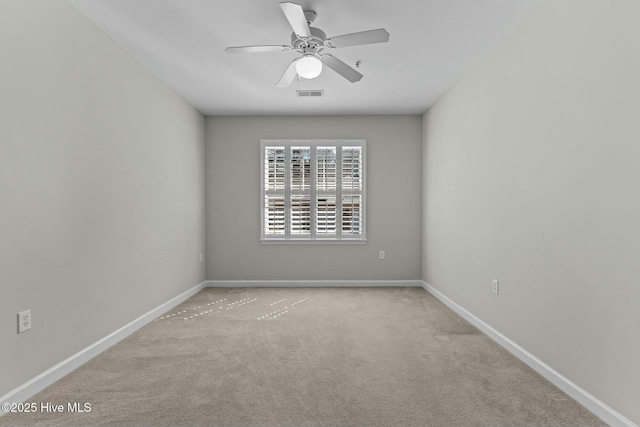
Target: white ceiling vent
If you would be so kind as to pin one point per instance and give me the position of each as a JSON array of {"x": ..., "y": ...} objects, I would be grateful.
[{"x": 309, "y": 93}]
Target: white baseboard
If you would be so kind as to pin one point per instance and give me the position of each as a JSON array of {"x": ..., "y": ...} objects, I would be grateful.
[
  {"x": 311, "y": 283},
  {"x": 599, "y": 408},
  {"x": 53, "y": 374}
]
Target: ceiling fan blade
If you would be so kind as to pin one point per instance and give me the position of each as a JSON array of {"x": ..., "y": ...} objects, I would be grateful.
[
  {"x": 365, "y": 37},
  {"x": 341, "y": 68},
  {"x": 289, "y": 75},
  {"x": 256, "y": 49},
  {"x": 296, "y": 18}
]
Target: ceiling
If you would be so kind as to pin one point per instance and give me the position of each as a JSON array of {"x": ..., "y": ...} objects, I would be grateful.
[{"x": 432, "y": 44}]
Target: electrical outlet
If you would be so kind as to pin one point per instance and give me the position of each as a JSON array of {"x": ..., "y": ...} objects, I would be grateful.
[
  {"x": 24, "y": 321},
  {"x": 382, "y": 255},
  {"x": 496, "y": 287}
]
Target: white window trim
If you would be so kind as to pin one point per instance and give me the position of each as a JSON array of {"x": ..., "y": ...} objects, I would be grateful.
[{"x": 312, "y": 238}]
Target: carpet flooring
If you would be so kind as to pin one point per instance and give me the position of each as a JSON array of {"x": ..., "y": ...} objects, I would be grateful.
[{"x": 307, "y": 357}]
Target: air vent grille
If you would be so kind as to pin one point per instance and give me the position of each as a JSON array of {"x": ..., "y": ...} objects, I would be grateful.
[{"x": 309, "y": 93}]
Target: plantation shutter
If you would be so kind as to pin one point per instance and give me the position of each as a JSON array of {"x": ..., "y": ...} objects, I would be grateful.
[
  {"x": 300, "y": 189},
  {"x": 351, "y": 191},
  {"x": 313, "y": 190},
  {"x": 326, "y": 185},
  {"x": 274, "y": 186}
]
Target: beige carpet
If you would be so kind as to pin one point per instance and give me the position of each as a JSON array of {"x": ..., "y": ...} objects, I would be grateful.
[{"x": 308, "y": 357}]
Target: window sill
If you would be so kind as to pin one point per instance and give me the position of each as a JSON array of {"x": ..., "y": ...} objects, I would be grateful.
[{"x": 313, "y": 242}]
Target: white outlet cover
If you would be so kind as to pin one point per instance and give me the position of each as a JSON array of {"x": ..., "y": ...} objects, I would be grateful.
[{"x": 24, "y": 321}]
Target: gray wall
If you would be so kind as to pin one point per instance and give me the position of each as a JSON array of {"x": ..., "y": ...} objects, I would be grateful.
[
  {"x": 393, "y": 201},
  {"x": 101, "y": 187},
  {"x": 532, "y": 177}
]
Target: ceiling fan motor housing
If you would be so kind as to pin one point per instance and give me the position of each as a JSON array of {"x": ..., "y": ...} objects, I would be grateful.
[{"x": 316, "y": 41}]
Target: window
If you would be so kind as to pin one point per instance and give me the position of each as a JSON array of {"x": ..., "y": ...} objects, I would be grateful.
[{"x": 313, "y": 191}]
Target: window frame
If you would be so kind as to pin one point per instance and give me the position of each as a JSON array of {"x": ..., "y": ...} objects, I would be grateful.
[{"x": 313, "y": 237}]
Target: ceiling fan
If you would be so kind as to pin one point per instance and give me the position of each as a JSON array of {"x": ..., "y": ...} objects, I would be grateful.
[{"x": 310, "y": 42}]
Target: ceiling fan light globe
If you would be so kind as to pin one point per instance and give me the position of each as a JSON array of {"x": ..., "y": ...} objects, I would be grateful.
[{"x": 309, "y": 67}]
